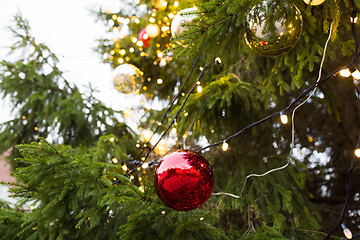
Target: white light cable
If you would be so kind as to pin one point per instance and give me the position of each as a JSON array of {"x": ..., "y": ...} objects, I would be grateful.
[{"x": 292, "y": 129}]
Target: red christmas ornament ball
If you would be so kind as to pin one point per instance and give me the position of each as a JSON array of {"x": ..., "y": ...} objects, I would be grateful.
[
  {"x": 184, "y": 180},
  {"x": 144, "y": 37}
]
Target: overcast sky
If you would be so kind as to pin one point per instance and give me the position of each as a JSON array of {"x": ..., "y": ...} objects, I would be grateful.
[{"x": 69, "y": 30}]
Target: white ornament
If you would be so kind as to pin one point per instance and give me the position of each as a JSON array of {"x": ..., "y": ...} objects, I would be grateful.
[
  {"x": 184, "y": 16},
  {"x": 153, "y": 30}
]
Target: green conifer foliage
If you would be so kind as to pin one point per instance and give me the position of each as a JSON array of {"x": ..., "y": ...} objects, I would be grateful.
[{"x": 90, "y": 183}]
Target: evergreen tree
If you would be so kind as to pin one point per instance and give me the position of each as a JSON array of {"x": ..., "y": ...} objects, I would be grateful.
[{"x": 91, "y": 181}]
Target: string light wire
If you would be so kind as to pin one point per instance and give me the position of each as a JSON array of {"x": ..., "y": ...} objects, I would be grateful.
[
  {"x": 171, "y": 123},
  {"x": 292, "y": 126}
]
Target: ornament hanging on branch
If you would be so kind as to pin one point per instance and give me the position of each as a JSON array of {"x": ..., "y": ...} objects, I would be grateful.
[
  {"x": 184, "y": 16},
  {"x": 184, "y": 180},
  {"x": 144, "y": 37},
  {"x": 127, "y": 78},
  {"x": 273, "y": 28},
  {"x": 153, "y": 30},
  {"x": 314, "y": 2}
]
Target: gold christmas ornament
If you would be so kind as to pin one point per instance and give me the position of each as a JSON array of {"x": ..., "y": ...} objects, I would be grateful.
[
  {"x": 153, "y": 30},
  {"x": 127, "y": 78},
  {"x": 273, "y": 28},
  {"x": 314, "y": 2}
]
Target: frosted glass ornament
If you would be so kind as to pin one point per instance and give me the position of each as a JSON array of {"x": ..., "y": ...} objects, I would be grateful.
[
  {"x": 273, "y": 28},
  {"x": 314, "y": 2},
  {"x": 153, "y": 30},
  {"x": 184, "y": 16},
  {"x": 127, "y": 78}
]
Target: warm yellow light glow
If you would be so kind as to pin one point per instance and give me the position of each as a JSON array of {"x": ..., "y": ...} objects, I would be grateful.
[
  {"x": 131, "y": 177},
  {"x": 124, "y": 167},
  {"x": 163, "y": 212},
  {"x": 345, "y": 72},
  {"x": 357, "y": 152},
  {"x": 127, "y": 113},
  {"x": 176, "y": 4},
  {"x": 133, "y": 39},
  {"x": 120, "y": 60},
  {"x": 114, "y": 17},
  {"x": 146, "y": 135},
  {"x": 164, "y": 28},
  {"x": 145, "y": 165},
  {"x": 186, "y": 114},
  {"x": 164, "y": 3},
  {"x": 153, "y": 30},
  {"x": 199, "y": 89},
  {"x": 120, "y": 19},
  {"x": 353, "y": 19},
  {"x": 201, "y": 68},
  {"x": 217, "y": 59},
  {"x": 173, "y": 131},
  {"x": 225, "y": 146},
  {"x": 131, "y": 50},
  {"x": 160, "y": 54},
  {"x": 140, "y": 43},
  {"x": 144, "y": 88},
  {"x": 115, "y": 160},
  {"x": 31, "y": 207},
  {"x": 137, "y": 21},
  {"x": 159, "y": 81},
  {"x": 163, "y": 62},
  {"x": 202, "y": 218},
  {"x": 122, "y": 51},
  {"x": 36, "y": 128},
  {"x": 112, "y": 52},
  {"x": 162, "y": 148},
  {"x": 347, "y": 232},
  {"x": 137, "y": 145},
  {"x": 151, "y": 19},
  {"x": 284, "y": 119},
  {"x": 23, "y": 117},
  {"x": 356, "y": 74},
  {"x": 111, "y": 139},
  {"x": 141, "y": 188},
  {"x": 145, "y": 36},
  {"x": 171, "y": 15},
  {"x": 127, "y": 21}
]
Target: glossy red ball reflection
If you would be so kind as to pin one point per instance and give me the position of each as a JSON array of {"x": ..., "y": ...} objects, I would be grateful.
[{"x": 184, "y": 180}]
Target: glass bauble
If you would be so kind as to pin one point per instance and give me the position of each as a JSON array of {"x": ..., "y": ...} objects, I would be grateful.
[
  {"x": 144, "y": 38},
  {"x": 314, "y": 2},
  {"x": 182, "y": 17},
  {"x": 127, "y": 78},
  {"x": 184, "y": 180},
  {"x": 153, "y": 30},
  {"x": 273, "y": 28}
]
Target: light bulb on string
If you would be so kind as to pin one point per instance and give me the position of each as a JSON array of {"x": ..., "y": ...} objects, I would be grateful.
[
  {"x": 356, "y": 74},
  {"x": 346, "y": 231},
  {"x": 357, "y": 152},
  {"x": 345, "y": 72},
  {"x": 283, "y": 118},
  {"x": 145, "y": 165},
  {"x": 124, "y": 167},
  {"x": 351, "y": 71},
  {"x": 225, "y": 146},
  {"x": 353, "y": 17}
]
